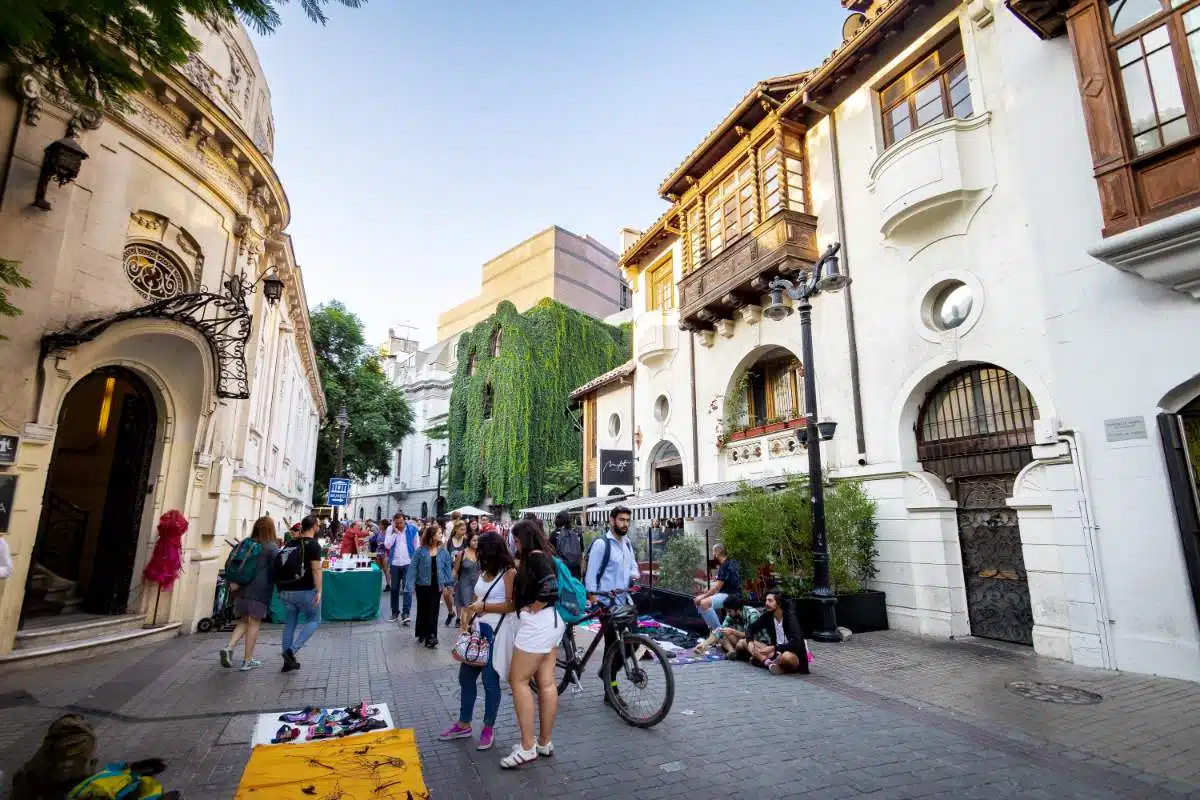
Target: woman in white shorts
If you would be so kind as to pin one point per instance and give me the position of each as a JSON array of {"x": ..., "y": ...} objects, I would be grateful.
[{"x": 537, "y": 634}]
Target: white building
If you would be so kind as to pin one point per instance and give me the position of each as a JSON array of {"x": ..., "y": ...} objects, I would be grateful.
[
  {"x": 412, "y": 486},
  {"x": 164, "y": 359},
  {"x": 1012, "y": 366}
]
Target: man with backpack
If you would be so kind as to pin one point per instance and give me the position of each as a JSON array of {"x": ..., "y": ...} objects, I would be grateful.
[
  {"x": 612, "y": 566},
  {"x": 298, "y": 578},
  {"x": 568, "y": 543}
]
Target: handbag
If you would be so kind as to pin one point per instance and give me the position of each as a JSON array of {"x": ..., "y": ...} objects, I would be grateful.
[{"x": 473, "y": 648}]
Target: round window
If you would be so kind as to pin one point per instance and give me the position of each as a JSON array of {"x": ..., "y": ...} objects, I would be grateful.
[
  {"x": 614, "y": 425},
  {"x": 951, "y": 305},
  {"x": 662, "y": 407}
]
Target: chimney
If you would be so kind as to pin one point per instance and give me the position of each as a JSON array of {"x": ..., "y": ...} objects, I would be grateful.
[{"x": 628, "y": 237}]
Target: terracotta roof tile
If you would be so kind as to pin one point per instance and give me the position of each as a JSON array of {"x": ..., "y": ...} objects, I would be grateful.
[{"x": 623, "y": 371}]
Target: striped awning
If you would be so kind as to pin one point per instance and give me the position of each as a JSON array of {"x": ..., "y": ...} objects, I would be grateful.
[
  {"x": 684, "y": 502},
  {"x": 547, "y": 513}
]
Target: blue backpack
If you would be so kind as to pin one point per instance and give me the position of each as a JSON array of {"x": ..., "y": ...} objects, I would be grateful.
[{"x": 572, "y": 597}]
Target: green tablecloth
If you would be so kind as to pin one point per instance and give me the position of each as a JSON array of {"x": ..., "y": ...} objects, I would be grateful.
[{"x": 345, "y": 596}]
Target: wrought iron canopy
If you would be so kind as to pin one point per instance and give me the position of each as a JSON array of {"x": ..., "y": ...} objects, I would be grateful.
[{"x": 223, "y": 320}]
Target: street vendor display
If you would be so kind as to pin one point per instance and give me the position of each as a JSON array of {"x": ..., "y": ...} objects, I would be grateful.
[{"x": 349, "y": 592}]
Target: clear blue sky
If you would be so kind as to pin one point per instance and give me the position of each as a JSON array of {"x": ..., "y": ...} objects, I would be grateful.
[{"x": 416, "y": 140}]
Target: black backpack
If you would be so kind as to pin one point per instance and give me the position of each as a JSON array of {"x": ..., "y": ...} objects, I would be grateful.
[
  {"x": 570, "y": 547},
  {"x": 290, "y": 564}
]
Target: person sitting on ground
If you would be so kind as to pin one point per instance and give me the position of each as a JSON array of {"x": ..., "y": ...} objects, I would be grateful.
[
  {"x": 738, "y": 616},
  {"x": 787, "y": 651},
  {"x": 728, "y": 584}
]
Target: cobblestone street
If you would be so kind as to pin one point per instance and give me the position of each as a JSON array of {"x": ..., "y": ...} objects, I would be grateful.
[{"x": 884, "y": 715}]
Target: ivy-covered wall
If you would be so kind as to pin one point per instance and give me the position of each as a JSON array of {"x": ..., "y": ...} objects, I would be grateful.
[{"x": 543, "y": 355}]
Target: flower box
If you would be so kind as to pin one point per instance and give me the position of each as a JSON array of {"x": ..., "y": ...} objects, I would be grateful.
[{"x": 737, "y": 436}]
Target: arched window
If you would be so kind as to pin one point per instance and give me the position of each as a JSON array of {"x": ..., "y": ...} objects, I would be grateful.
[
  {"x": 489, "y": 401},
  {"x": 154, "y": 272},
  {"x": 772, "y": 390},
  {"x": 424, "y": 510},
  {"x": 978, "y": 421},
  {"x": 494, "y": 346}
]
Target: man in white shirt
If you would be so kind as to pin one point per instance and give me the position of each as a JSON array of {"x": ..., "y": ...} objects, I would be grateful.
[
  {"x": 399, "y": 543},
  {"x": 6, "y": 566},
  {"x": 612, "y": 566}
]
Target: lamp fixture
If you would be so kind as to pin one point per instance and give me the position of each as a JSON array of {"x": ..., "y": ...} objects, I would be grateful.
[
  {"x": 825, "y": 276},
  {"x": 61, "y": 161},
  {"x": 825, "y": 429},
  {"x": 343, "y": 418}
]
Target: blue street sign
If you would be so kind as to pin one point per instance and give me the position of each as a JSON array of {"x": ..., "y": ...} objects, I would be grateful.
[{"x": 339, "y": 491}]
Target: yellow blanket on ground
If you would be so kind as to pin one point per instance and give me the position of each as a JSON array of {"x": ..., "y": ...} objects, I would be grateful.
[{"x": 384, "y": 765}]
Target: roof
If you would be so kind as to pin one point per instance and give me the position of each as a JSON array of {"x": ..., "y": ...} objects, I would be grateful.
[
  {"x": 748, "y": 113},
  {"x": 656, "y": 232},
  {"x": 623, "y": 371},
  {"x": 548, "y": 511}
]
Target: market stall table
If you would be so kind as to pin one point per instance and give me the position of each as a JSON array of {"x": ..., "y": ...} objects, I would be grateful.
[{"x": 347, "y": 595}]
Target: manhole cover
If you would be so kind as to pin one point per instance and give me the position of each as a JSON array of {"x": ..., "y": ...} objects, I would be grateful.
[{"x": 1054, "y": 693}]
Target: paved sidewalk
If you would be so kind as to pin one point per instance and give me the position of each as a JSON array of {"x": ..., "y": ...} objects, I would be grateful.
[{"x": 884, "y": 715}]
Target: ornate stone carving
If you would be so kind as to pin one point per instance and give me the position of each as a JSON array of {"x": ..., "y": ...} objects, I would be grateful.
[
  {"x": 750, "y": 314},
  {"x": 260, "y": 196},
  {"x": 706, "y": 338},
  {"x": 725, "y": 328},
  {"x": 153, "y": 272},
  {"x": 241, "y": 224},
  {"x": 147, "y": 220},
  {"x": 31, "y": 90}
]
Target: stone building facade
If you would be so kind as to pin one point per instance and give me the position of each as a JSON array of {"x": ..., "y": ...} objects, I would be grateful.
[
  {"x": 1012, "y": 367},
  {"x": 150, "y": 370}
]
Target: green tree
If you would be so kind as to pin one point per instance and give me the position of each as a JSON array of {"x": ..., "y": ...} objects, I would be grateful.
[
  {"x": 563, "y": 480},
  {"x": 97, "y": 50},
  {"x": 10, "y": 277},
  {"x": 438, "y": 432},
  {"x": 352, "y": 377}
]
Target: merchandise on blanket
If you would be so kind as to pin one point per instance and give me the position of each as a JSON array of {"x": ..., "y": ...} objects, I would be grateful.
[
  {"x": 322, "y": 730},
  {"x": 363, "y": 725},
  {"x": 308, "y": 716},
  {"x": 685, "y": 657},
  {"x": 286, "y": 733},
  {"x": 121, "y": 781}
]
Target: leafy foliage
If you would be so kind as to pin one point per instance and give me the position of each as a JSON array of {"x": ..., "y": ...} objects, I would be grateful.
[
  {"x": 10, "y": 276},
  {"x": 352, "y": 377},
  {"x": 543, "y": 355},
  {"x": 773, "y": 529},
  {"x": 677, "y": 567},
  {"x": 563, "y": 480},
  {"x": 438, "y": 432},
  {"x": 93, "y": 48}
]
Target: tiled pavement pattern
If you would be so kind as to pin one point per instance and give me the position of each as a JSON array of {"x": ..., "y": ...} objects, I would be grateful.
[{"x": 884, "y": 715}]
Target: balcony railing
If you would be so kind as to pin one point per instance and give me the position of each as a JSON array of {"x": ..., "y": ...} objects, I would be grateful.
[{"x": 740, "y": 273}]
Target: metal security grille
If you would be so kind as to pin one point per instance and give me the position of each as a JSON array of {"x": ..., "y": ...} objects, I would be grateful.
[{"x": 977, "y": 422}]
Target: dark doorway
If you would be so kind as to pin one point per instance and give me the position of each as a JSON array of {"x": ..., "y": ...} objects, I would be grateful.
[
  {"x": 666, "y": 467},
  {"x": 1181, "y": 445},
  {"x": 976, "y": 433},
  {"x": 95, "y": 493}
]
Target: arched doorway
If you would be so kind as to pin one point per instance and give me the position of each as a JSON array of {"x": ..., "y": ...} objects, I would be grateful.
[
  {"x": 1180, "y": 434},
  {"x": 95, "y": 493},
  {"x": 424, "y": 510},
  {"x": 666, "y": 467},
  {"x": 975, "y": 431}
]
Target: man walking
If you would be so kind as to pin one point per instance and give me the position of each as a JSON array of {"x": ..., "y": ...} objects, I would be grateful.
[
  {"x": 567, "y": 542},
  {"x": 612, "y": 567},
  {"x": 400, "y": 543},
  {"x": 298, "y": 578}
]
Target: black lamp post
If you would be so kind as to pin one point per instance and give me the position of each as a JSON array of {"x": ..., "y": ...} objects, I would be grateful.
[
  {"x": 343, "y": 422},
  {"x": 825, "y": 277},
  {"x": 438, "y": 510}
]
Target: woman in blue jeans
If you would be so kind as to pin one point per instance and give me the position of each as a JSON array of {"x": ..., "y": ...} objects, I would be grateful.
[{"x": 493, "y": 603}]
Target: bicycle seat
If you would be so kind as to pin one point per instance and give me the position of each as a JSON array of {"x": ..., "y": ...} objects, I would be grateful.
[{"x": 624, "y": 615}]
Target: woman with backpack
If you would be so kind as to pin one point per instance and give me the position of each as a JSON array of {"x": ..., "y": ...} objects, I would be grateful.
[
  {"x": 567, "y": 541},
  {"x": 249, "y": 571},
  {"x": 539, "y": 628}
]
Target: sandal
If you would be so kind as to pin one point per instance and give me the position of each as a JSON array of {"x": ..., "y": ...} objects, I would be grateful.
[
  {"x": 363, "y": 726},
  {"x": 518, "y": 757},
  {"x": 309, "y": 715},
  {"x": 286, "y": 734},
  {"x": 323, "y": 730}
]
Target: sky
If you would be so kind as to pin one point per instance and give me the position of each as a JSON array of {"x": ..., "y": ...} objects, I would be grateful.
[{"x": 417, "y": 140}]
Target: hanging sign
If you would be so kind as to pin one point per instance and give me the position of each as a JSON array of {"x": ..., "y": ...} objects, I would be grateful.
[
  {"x": 616, "y": 467},
  {"x": 339, "y": 491}
]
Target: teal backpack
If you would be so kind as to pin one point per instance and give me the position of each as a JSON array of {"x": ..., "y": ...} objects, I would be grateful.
[
  {"x": 242, "y": 564},
  {"x": 572, "y": 596},
  {"x": 121, "y": 781}
]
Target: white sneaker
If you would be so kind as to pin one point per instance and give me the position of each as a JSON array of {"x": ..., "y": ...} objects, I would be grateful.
[
  {"x": 518, "y": 757},
  {"x": 545, "y": 750}
]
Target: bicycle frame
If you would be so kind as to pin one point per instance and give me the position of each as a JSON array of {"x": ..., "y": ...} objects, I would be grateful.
[{"x": 575, "y": 666}]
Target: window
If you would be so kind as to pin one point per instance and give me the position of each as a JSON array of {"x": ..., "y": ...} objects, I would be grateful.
[
  {"x": 731, "y": 208},
  {"x": 662, "y": 408},
  {"x": 695, "y": 228},
  {"x": 399, "y": 459},
  {"x": 495, "y": 344},
  {"x": 660, "y": 286},
  {"x": 626, "y": 299},
  {"x": 472, "y": 363},
  {"x": 155, "y": 273},
  {"x": 489, "y": 399},
  {"x": 934, "y": 89},
  {"x": 1157, "y": 48},
  {"x": 614, "y": 425},
  {"x": 775, "y": 390},
  {"x": 428, "y": 461},
  {"x": 781, "y": 175}
]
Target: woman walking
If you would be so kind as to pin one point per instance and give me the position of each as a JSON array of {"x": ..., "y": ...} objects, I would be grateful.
[
  {"x": 429, "y": 572},
  {"x": 455, "y": 546},
  {"x": 252, "y": 602},
  {"x": 489, "y": 606},
  {"x": 539, "y": 629}
]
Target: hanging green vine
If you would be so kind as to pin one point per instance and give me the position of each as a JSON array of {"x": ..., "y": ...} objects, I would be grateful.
[{"x": 543, "y": 355}]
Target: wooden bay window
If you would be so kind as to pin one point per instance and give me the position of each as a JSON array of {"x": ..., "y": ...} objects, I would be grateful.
[
  {"x": 933, "y": 89},
  {"x": 1138, "y": 63}
]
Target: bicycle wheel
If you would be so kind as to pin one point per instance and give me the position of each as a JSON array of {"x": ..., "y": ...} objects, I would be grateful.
[{"x": 632, "y": 683}]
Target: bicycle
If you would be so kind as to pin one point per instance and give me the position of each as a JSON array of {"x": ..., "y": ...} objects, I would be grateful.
[{"x": 637, "y": 649}]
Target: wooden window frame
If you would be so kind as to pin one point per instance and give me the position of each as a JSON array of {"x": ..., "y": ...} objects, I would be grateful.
[
  {"x": 729, "y": 189},
  {"x": 1134, "y": 189},
  {"x": 660, "y": 278},
  {"x": 771, "y": 373},
  {"x": 940, "y": 74}
]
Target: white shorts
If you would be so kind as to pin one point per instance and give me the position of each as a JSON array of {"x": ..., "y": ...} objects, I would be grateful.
[{"x": 540, "y": 632}]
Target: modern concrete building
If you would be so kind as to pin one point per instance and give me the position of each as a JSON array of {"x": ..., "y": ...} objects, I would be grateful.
[
  {"x": 1013, "y": 366},
  {"x": 577, "y": 271},
  {"x": 164, "y": 359}
]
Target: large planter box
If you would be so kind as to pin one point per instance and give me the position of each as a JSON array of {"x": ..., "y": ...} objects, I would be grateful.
[
  {"x": 865, "y": 612},
  {"x": 673, "y": 608}
]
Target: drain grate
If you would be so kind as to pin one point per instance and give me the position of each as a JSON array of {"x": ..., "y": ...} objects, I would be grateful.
[{"x": 1054, "y": 693}]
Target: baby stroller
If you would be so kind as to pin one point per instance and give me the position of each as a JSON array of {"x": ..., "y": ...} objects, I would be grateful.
[{"x": 222, "y": 618}]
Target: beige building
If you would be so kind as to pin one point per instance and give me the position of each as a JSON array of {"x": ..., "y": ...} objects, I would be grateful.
[
  {"x": 164, "y": 359},
  {"x": 577, "y": 271}
]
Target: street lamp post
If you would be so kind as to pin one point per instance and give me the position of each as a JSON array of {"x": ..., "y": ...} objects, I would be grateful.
[
  {"x": 343, "y": 422},
  {"x": 825, "y": 277},
  {"x": 437, "y": 498}
]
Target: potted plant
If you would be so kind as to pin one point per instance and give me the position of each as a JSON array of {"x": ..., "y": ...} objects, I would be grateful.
[
  {"x": 774, "y": 425},
  {"x": 796, "y": 422},
  {"x": 738, "y": 433}
]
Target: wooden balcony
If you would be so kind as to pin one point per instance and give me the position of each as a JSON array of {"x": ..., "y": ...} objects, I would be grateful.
[{"x": 739, "y": 274}]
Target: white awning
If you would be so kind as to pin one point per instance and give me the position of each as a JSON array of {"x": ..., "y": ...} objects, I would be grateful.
[
  {"x": 547, "y": 513},
  {"x": 684, "y": 502},
  {"x": 471, "y": 511}
]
